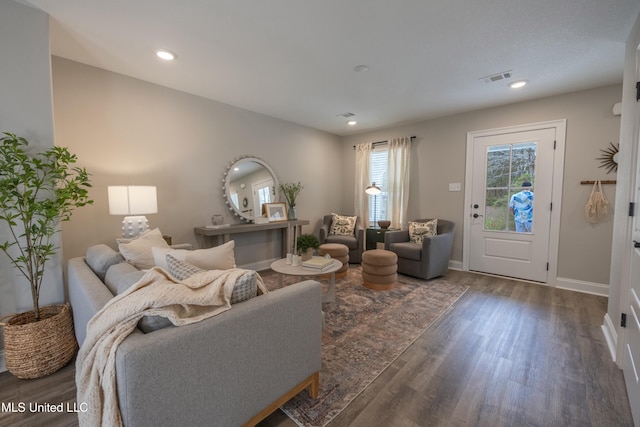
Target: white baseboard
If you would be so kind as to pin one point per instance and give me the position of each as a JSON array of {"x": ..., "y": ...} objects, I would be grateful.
[
  {"x": 455, "y": 265},
  {"x": 611, "y": 335},
  {"x": 3, "y": 367},
  {"x": 600, "y": 289}
]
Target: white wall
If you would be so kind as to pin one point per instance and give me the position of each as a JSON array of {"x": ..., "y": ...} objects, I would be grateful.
[
  {"x": 438, "y": 158},
  {"x": 126, "y": 131},
  {"x": 25, "y": 109}
]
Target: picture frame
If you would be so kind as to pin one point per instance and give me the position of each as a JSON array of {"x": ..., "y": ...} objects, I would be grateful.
[{"x": 276, "y": 212}]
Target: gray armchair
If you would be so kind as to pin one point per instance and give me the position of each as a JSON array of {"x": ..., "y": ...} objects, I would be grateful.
[
  {"x": 427, "y": 260},
  {"x": 354, "y": 242}
]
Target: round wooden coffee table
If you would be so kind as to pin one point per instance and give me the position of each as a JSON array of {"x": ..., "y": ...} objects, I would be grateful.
[{"x": 281, "y": 267}]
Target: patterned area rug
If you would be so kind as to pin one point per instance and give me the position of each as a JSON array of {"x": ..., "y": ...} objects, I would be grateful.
[{"x": 365, "y": 332}]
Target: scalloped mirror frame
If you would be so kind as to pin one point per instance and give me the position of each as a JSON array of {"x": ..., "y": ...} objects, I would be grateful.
[{"x": 227, "y": 181}]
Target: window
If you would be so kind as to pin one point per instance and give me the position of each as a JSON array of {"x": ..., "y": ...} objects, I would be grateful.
[
  {"x": 510, "y": 170},
  {"x": 378, "y": 174}
]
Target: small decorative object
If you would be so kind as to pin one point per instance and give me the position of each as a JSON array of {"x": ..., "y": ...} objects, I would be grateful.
[
  {"x": 291, "y": 192},
  {"x": 37, "y": 192},
  {"x": 276, "y": 212},
  {"x": 384, "y": 224},
  {"x": 609, "y": 159},
  {"x": 306, "y": 243},
  {"x": 217, "y": 219}
]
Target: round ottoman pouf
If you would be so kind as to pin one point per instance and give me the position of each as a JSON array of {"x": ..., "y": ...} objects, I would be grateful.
[
  {"x": 379, "y": 269},
  {"x": 337, "y": 251}
]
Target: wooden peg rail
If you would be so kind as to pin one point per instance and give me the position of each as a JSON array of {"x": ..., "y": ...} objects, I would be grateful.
[{"x": 603, "y": 182}]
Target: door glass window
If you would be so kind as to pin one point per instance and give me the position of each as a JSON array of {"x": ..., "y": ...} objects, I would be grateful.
[
  {"x": 264, "y": 195},
  {"x": 509, "y": 188}
]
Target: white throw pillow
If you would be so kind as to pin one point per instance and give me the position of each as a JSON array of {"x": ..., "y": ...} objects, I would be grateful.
[
  {"x": 343, "y": 225},
  {"x": 217, "y": 258},
  {"x": 419, "y": 230},
  {"x": 138, "y": 251}
]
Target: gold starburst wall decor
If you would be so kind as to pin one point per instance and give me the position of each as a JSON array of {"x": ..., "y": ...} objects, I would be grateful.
[{"x": 609, "y": 158}]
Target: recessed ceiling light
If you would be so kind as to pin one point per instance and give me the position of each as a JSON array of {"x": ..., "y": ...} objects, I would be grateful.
[
  {"x": 165, "y": 54},
  {"x": 352, "y": 122},
  {"x": 518, "y": 84},
  {"x": 361, "y": 68}
]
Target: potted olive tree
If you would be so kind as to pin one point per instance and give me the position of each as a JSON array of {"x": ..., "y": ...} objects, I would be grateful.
[{"x": 37, "y": 192}]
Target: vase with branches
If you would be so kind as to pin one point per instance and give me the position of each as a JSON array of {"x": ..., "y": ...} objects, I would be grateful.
[
  {"x": 290, "y": 192},
  {"x": 37, "y": 192}
]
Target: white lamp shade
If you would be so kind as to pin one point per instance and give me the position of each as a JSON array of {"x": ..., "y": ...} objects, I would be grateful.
[
  {"x": 373, "y": 190},
  {"x": 132, "y": 200}
]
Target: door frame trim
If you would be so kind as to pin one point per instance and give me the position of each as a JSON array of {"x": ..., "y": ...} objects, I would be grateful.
[{"x": 556, "y": 191}]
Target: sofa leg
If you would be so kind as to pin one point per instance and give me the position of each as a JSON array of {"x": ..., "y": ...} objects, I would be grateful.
[
  {"x": 314, "y": 387},
  {"x": 312, "y": 383}
]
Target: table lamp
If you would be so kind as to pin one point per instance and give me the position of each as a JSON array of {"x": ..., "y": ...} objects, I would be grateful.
[{"x": 134, "y": 201}]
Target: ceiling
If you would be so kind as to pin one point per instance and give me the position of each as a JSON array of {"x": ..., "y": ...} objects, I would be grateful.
[{"x": 295, "y": 60}]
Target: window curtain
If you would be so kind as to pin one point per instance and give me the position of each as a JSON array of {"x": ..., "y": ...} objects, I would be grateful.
[
  {"x": 398, "y": 185},
  {"x": 361, "y": 199}
]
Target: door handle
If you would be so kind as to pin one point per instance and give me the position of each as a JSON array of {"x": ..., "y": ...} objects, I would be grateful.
[
  {"x": 636, "y": 244},
  {"x": 476, "y": 215}
]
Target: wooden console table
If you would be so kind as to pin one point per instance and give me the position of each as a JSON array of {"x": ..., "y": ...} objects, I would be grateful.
[{"x": 209, "y": 237}]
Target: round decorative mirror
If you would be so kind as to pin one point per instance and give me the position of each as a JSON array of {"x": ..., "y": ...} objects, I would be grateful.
[{"x": 248, "y": 184}]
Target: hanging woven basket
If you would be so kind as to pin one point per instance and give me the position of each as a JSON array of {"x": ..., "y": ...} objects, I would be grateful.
[{"x": 36, "y": 349}]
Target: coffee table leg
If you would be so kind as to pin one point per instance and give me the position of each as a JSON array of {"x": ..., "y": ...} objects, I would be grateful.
[
  {"x": 280, "y": 280},
  {"x": 330, "y": 296}
]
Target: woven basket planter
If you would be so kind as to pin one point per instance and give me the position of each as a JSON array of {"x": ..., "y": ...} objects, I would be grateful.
[{"x": 35, "y": 349}]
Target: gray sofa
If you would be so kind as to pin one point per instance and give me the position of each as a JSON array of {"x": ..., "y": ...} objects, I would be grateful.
[{"x": 229, "y": 370}]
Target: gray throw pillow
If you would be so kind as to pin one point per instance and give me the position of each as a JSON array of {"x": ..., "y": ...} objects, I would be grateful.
[
  {"x": 100, "y": 257},
  {"x": 121, "y": 276}
]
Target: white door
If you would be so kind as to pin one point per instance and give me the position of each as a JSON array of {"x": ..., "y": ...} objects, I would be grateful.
[
  {"x": 631, "y": 346},
  {"x": 511, "y": 192},
  {"x": 631, "y": 356}
]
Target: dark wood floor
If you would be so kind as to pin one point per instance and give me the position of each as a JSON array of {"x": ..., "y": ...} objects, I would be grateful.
[{"x": 508, "y": 353}]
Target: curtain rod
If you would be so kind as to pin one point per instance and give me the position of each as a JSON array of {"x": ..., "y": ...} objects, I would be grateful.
[{"x": 383, "y": 142}]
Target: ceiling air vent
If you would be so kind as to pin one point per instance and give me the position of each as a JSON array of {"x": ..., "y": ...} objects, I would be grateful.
[
  {"x": 497, "y": 77},
  {"x": 346, "y": 115}
]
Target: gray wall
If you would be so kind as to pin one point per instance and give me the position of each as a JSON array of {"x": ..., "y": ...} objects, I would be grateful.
[
  {"x": 25, "y": 109},
  {"x": 126, "y": 131},
  {"x": 438, "y": 158}
]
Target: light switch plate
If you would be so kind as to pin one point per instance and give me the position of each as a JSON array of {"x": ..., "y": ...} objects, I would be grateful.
[{"x": 455, "y": 186}]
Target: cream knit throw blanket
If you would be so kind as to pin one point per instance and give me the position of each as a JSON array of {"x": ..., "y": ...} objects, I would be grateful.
[{"x": 157, "y": 293}]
